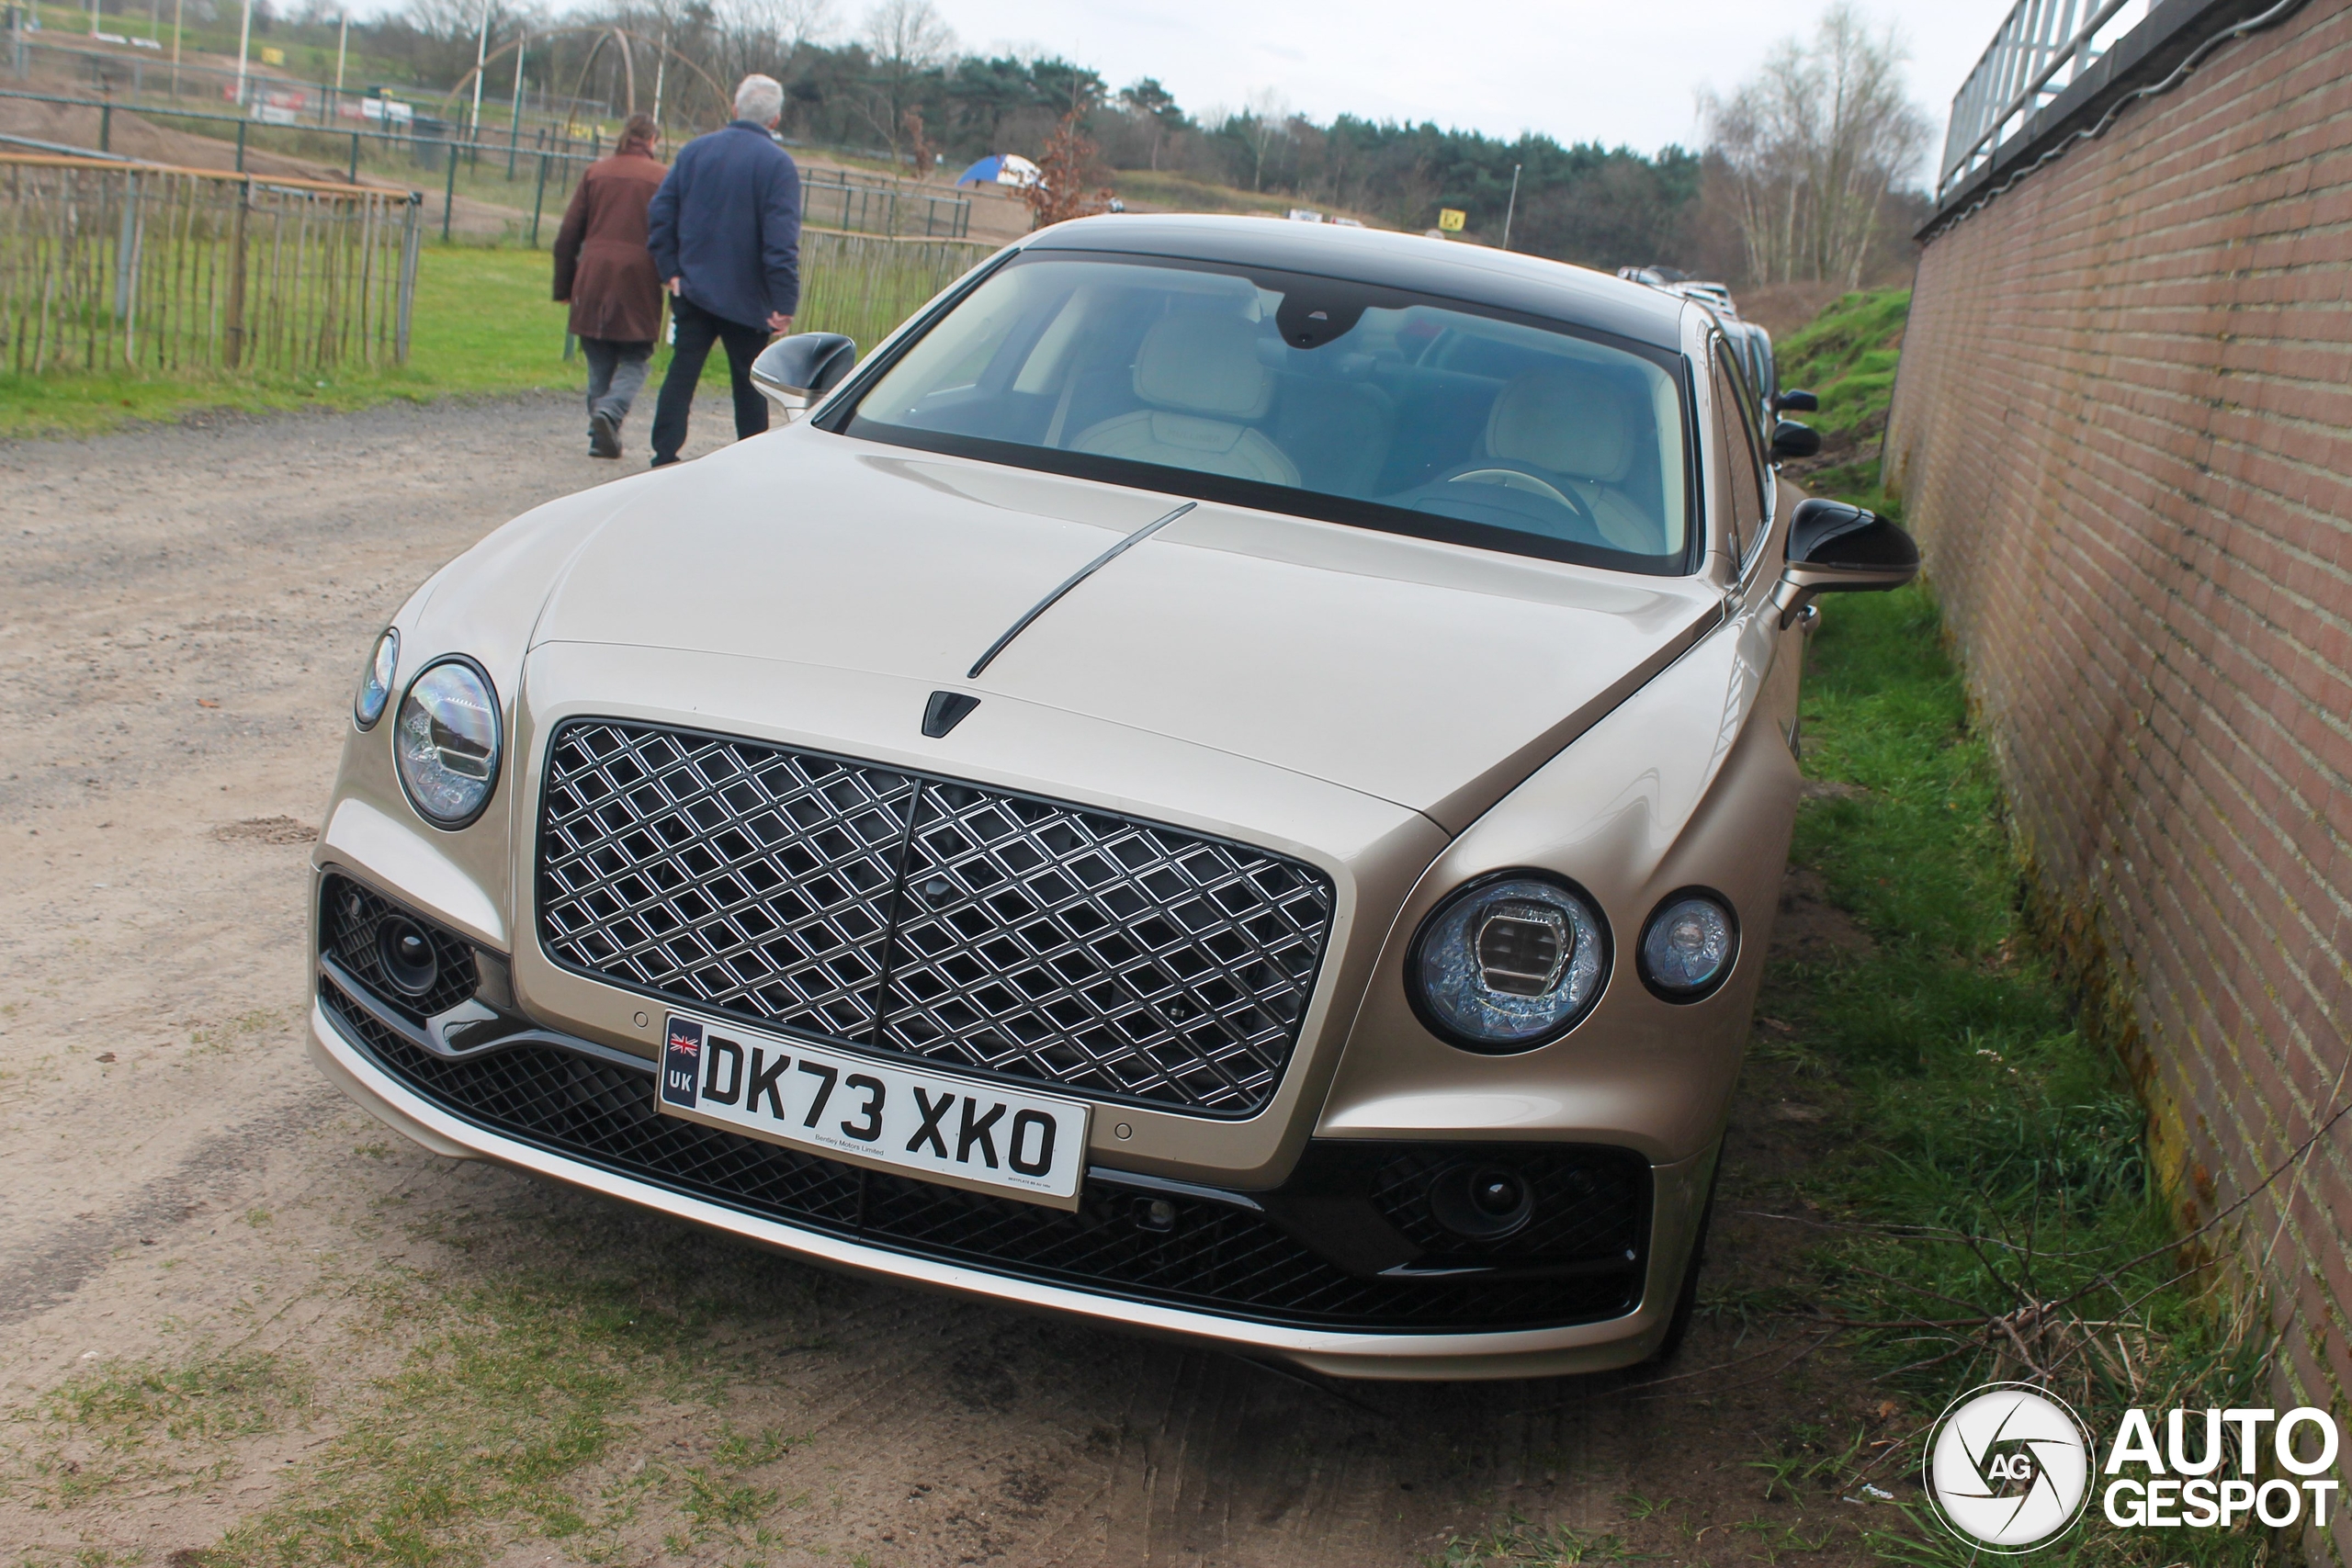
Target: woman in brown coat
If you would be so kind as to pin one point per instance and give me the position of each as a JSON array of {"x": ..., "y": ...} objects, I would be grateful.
[{"x": 603, "y": 267}]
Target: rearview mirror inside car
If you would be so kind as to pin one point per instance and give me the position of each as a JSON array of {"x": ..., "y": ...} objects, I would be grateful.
[
  {"x": 1795, "y": 400},
  {"x": 1791, "y": 439},
  {"x": 1837, "y": 548},
  {"x": 796, "y": 371}
]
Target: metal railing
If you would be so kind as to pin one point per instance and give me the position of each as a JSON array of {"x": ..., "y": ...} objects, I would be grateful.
[
  {"x": 148, "y": 70},
  {"x": 831, "y": 202},
  {"x": 437, "y": 147},
  {"x": 2043, "y": 48},
  {"x": 145, "y": 266}
]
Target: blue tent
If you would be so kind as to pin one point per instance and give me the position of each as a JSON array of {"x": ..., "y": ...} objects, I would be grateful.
[{"x": 1000, "y": 169}]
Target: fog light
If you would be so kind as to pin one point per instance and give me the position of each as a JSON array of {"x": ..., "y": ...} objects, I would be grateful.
[
  {"x": 1497, "y": 1193},
  {"x": 1155, "y": 1214},
  {"x": 1481, "y": 1203},
  {"x": 407, "y": 955}
]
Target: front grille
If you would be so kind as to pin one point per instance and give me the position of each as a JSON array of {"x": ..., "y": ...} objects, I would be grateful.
[
  {"x": 1213, "y": 1257},
  {"x": 351, "y": 916},
  {"x": 918, "y": 916}
]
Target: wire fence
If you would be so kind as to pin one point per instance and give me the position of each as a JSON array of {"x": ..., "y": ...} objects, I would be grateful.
[
  {"x": 864, "y": 285},
  {"x": 150, "y": 267},
  {"x": 545, "y": 162}
]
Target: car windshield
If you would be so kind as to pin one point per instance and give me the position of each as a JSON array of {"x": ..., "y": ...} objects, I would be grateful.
[{"x": 1333, "y": 399}]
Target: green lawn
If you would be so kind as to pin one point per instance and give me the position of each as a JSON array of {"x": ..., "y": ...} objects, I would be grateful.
[{"x": 483, "y": 325}]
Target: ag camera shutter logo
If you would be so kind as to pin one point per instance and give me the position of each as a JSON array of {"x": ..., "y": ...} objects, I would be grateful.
[{"x": 2008, "y": 1467}]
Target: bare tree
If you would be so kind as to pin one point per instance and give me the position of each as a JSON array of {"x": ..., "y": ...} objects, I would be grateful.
[
  {"x": 1265, "y": 119},
  {"x": 1813, "y": 144},
  {"x": 766, "y": 35},
  {"x": 904, "y": 38}
]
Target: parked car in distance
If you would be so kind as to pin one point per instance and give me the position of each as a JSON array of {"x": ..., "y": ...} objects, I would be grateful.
[{"x": 1231, "y": 780}]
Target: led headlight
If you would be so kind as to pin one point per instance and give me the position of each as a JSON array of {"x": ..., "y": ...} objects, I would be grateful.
[
  {"x": 446, "y": 743},
  {"x": 376, "y": 681},
  {"x": 1509, "y": 962},
  {"x": 1688, "y": 945}
]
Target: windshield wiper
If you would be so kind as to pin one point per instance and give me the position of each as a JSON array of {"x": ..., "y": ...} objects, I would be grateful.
[{"x": 1081, "y": 575}]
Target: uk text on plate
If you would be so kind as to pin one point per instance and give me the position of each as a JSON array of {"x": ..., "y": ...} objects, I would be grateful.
[{"x": 965, "y": 1132}]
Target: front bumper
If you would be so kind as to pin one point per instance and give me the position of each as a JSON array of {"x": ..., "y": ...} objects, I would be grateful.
[{"x": 372, "y": 1056}]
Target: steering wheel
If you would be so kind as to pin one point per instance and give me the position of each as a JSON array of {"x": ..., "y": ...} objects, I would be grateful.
[
  {"x": 1511, "y": 479},
  {"x": 1504, "y": 494}
]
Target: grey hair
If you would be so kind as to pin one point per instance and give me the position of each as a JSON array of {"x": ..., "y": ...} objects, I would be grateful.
[{"x": 759, "y": 99}]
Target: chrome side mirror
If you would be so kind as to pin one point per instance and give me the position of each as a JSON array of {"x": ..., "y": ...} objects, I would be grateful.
[
  {"x": 1837, "y": 548},
  {"x": 794, "y": 372}
]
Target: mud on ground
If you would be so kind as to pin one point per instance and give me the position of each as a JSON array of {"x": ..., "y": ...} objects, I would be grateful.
[{"x": 239, "y": 1319}]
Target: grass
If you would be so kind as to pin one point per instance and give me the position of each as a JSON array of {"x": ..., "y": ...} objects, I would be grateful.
[
  {"x": 1847, "y": 357},
  {"x": 125, "y": 1424},
  {"x": 1516, "y": 1543},
  {"x": 481, "y": 1429},
  {"x": 1182, "y": 193},
  {"x": 509, "y": 1419},
  {"x": 2001, "y": 1218},
  {"x": 1995, "y": 1159},
  {"x": 514, "y": 1410},
  {"x": 485, "y": 326}
]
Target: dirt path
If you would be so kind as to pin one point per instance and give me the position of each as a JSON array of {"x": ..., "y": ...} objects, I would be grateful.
[{"x": 235, "y": 1316}]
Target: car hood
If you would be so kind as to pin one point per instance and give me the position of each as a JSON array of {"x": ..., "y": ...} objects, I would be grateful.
[{"x": 1434, "y": 676}]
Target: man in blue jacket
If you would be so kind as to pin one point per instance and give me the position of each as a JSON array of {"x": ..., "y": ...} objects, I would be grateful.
[{"x": 725, "y": 233}]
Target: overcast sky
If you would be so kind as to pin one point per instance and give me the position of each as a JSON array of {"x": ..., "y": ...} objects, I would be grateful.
[
  {"x": 1617, "y": 72},
  {"x": 1626, "y": 70}
]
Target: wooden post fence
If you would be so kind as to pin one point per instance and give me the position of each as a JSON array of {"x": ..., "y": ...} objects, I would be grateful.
[{"x": 112, "y": 265}]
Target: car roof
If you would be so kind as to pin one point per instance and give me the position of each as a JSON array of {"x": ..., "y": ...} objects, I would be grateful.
[{"x": 1449, "y": 269}]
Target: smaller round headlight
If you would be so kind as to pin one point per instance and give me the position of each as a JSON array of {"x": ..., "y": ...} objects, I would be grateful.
[
  {"x": 446, "y": 743},
  {"x": 1509, "y": 963},
  {"x": 1688, "y": 945},
  {"x": 376, "y": 681}
]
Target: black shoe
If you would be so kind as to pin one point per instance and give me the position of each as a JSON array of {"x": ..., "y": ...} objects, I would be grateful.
[
  {"x": 664, "y": 462},
  {"x": 603, "y": 436}
]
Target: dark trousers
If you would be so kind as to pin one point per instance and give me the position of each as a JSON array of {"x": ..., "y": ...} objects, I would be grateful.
[{"x": 697, "y": 329}]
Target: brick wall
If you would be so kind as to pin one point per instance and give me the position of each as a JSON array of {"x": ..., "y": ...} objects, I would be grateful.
[{"x": 2123, "y": 433}]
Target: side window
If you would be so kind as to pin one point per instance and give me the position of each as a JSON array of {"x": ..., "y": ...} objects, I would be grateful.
[{"x": 1738, "y": 471}]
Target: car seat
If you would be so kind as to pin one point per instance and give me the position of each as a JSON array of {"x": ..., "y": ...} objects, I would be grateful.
[
  {"x": 1572, "y": 428},
  {"x": 1200, "y": 381}
]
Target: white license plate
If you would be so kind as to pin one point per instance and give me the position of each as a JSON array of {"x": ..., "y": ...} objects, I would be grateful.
[{"x": 957, "y": 1130}]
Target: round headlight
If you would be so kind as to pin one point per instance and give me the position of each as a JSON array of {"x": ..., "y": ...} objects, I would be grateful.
[
  {"x": 1688, "y": 945},
  {"x": 446, "y": 743},
  {"x": 1509, "y": 963},
  {"x": 376, "y": 681}
]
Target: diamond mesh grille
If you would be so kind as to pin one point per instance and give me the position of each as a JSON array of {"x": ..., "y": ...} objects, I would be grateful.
[
  {"x": 747, "y": 878},
  {"x": 1120, "y": 959},
  {"x": 1214, "y": 1257}
]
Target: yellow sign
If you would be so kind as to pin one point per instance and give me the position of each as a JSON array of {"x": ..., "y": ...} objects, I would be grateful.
[
  {"x": 272, "y": 56},
  {"x": 1450, "y": 219}
]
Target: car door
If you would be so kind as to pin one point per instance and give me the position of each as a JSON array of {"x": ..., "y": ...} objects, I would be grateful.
[{"x": 1753, "y": 524}]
